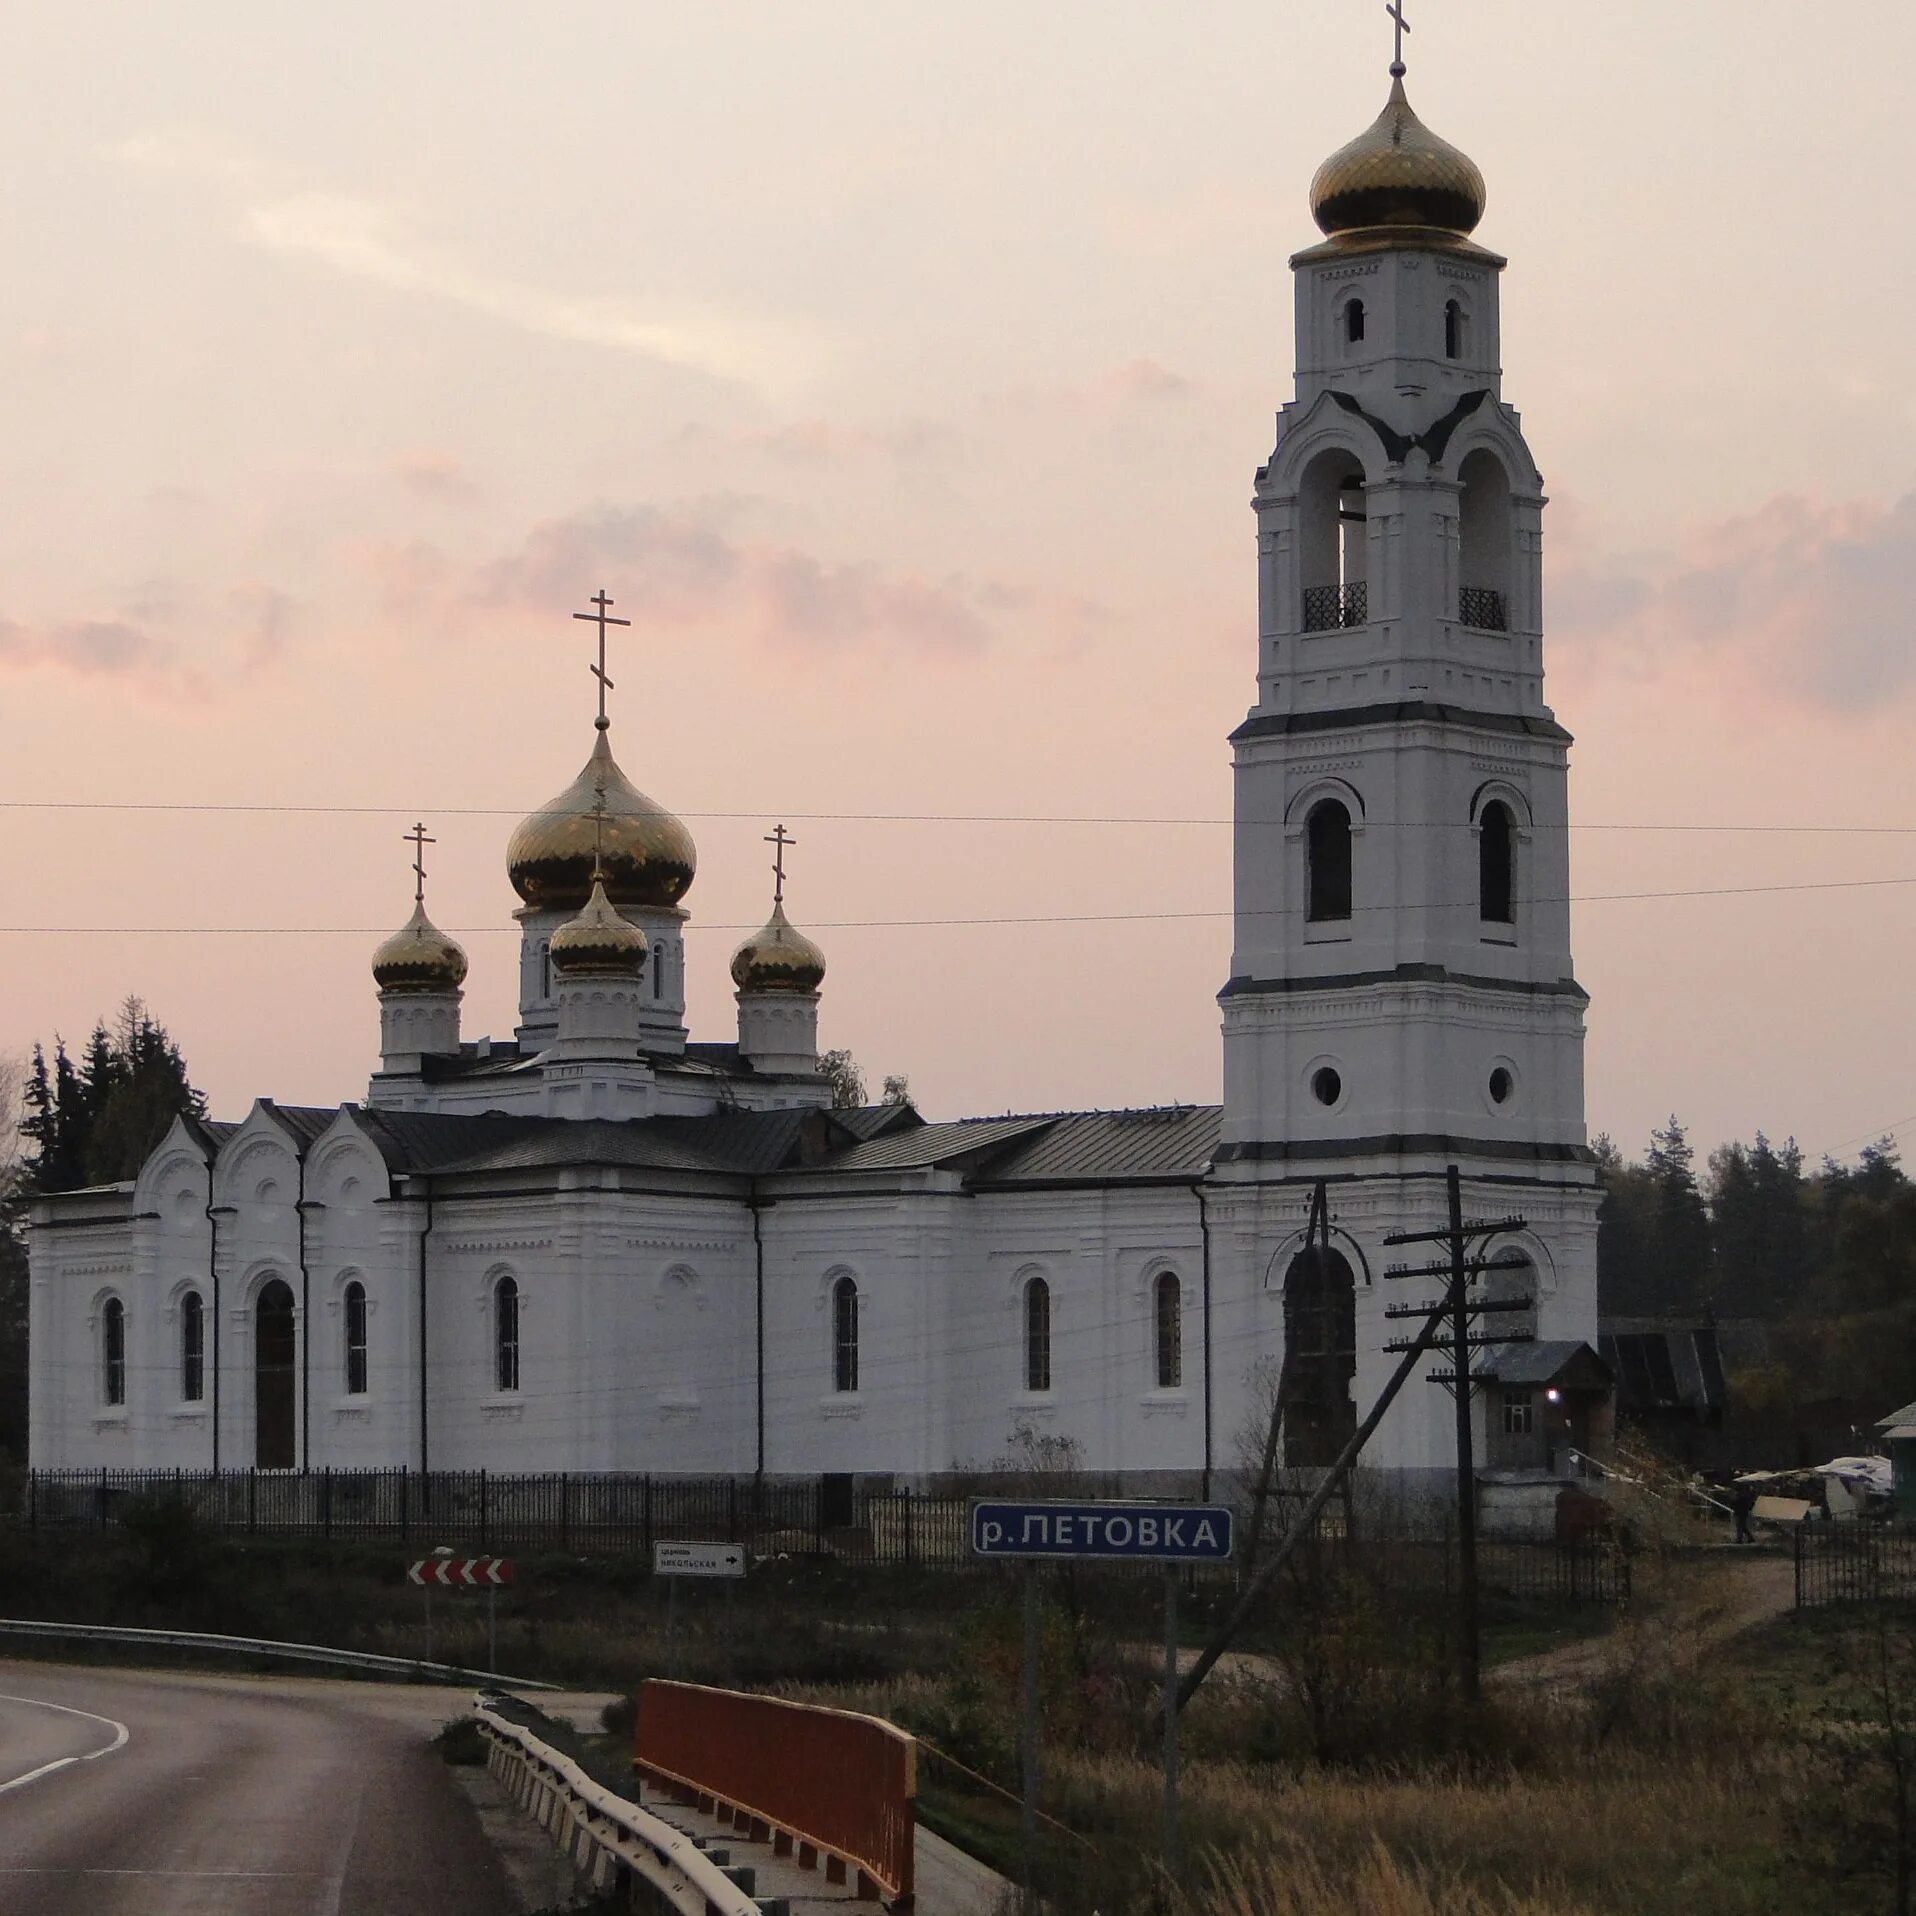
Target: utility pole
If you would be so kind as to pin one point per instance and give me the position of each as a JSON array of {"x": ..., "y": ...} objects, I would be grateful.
[{"x": 1460, "y": 1268}]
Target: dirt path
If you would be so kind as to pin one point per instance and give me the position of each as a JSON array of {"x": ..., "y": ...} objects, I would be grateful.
[{"x": 1734, "y": 1593}]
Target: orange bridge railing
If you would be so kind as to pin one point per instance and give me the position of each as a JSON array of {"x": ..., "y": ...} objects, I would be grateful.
[{"x": 826, "y": 1785}]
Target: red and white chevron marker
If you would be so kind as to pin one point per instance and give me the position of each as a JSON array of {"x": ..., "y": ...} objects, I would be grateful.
[{"x": 462, "y": 1573}]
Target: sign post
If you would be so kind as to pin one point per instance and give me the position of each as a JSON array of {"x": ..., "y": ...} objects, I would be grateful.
[
  {"x": 675, "y": 1560},
  {"x": 443, "y": 1571},
  {"x": 1034, "y": 1532}
]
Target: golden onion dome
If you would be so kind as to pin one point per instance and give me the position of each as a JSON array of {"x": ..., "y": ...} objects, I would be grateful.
[
  {"x": 1398, "y": 173},
  {"x": 598, "y": 941},
  {"x": 778, "y": 958},
  {"x": 648, "y": 855},
  {"x": 419, "y": 957}
]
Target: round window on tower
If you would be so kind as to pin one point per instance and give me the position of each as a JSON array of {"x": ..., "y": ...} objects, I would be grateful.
[
  {"x": 1500, "y": 1088},
  {"x": 1326, "y": 1086}
]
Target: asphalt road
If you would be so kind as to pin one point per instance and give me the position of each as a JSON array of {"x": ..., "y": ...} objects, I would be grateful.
[{"x": 229, "y": 1796}]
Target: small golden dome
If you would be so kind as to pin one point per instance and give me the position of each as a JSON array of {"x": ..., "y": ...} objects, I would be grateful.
[
  {"x": 419, "y": 957},
  {"x": 1398, "y": 173},
  {"x": 648, "y": 855},
  {"x": 598, "y": 941},
  {"x": 778, "y": 958}
]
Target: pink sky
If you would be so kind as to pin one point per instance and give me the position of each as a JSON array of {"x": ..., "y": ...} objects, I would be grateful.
[{"x": 902, "y": 373}]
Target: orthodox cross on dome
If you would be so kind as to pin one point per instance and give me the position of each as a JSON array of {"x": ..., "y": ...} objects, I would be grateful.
[
  {"x": 601, "y": 617},
  {"x": 1395, "y": 8},
  {"x": 779, "y": 838},
  {"x": 418, "y": 839}
]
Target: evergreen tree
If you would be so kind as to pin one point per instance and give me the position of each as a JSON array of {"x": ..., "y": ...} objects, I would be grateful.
[
  {"x": 1761, "y": 1225},
  {"x": 1626, "y": 1233},
  {"x": 1683, "y": 1253},
  {"x": 98, "y": 1123}
]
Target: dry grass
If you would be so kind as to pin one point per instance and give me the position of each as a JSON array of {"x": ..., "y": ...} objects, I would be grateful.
[{"x": 1288, "y": 1881}]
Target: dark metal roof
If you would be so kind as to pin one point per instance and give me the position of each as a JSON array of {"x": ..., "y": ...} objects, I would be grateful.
[
  {"x": 1175, "y": 1142},
  {"x": 1540, "y": 1363},
  {"x": 933, "y": 1144}
]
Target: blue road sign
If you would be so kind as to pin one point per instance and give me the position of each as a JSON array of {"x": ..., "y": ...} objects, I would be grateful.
[{"x": 1155, "y": 1533}]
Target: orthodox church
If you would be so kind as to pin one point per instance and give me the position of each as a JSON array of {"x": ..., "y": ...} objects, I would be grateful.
[{"x": 604, "y": 1245}]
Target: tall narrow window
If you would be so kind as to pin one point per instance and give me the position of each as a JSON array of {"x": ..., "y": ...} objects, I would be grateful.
[
  {"x": 355, "y": 1302},
  {"x": 505, "y": 1334},
  {"x": 192, "y": 1348},
  {"x": 1453, "y": 331},
  {"x": 1328, "y": 860},
  {"x": 545, "y": 971},
  {"x": 1354, "y": 323},
  {"x": 1037, "y": 1335},
  {"x": 113, "y": 1352},
  {"x": 658, "y": 969},
  {"x": 845, "y": 1335},
  {"x": 1170, "y": 1316},
  {"x": 1496, "y": 864}
]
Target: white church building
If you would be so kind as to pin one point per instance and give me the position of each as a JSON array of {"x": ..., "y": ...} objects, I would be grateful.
[{"x": 602, "y": 1245}]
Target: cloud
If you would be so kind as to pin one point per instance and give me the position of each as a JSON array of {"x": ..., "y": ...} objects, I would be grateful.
[
  {"x": 692, "y": 564},
  {"x": 361, "y": 239},
  {"x": 1137, "y": 385},
  {"x": 434, "y": 475},
  {"x": 92, "y": 648},
  {"x": 142, "y": 644},
  {"x": 1819, "y": 598},
  {"x": 821, "y": 442}
]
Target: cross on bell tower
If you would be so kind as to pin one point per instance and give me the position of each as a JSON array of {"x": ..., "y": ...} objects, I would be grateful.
[
  {"x": 418, "y": 839},
  {"x": 780, "y": 838},
  {"x": 1395, "y": 8},
  {"x": 601, "y": 616}
]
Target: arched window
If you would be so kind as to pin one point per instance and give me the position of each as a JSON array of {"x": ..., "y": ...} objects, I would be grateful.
[
  {"x": 1497, "y": 864},
  {"x": 845, "y": 1335},
  {"x": 113, "y": 1352},
  {"x": 545, "y": 970},
  {"x": 505, "y": 1334},
  {"x": 1037, "y": 1335},
  {"x": 1354, "y": 323},
  {"x": 1453, "y": 331},
  {"x": 1327, "y": 854},
  {"x": 1320, "y": 1357},
  {"x": 1168, "y": 1295},
  {"x": 192, "y": 1348},
  {"x": 355, "y": 1312},
  {"x": 658, "y": 969}
]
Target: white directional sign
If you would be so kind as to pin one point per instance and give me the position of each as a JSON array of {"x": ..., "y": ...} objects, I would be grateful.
[{"x": 698, "y": 1560}]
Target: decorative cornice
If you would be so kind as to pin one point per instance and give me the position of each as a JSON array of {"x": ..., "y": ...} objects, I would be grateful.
[
  {"x": 1402, "y": 975},
  {"x": 1403, "y": 712}
]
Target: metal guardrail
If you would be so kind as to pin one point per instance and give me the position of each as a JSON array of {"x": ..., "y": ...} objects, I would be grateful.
[
  {"x": 606, "y": 1836},
  {"x": 264, "y": 1647}
]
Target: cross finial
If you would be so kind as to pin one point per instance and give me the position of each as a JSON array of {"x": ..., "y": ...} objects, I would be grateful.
[
  {"x": 601, "y": 617},
  {"x": 1395, "y": 8},
  {"x": 418, "y": 839},
  {"x": 779, "y": 838}
]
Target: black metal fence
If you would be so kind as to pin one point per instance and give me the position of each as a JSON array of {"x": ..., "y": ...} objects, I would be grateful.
[
  {"x": 608, "y": 1514},
  {"x": 1853, "y": 1563}
]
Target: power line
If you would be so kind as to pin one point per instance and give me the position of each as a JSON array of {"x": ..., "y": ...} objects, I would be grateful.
[
  {"x": 926, "y": 924},
  {"x": 414, "y": 808}
]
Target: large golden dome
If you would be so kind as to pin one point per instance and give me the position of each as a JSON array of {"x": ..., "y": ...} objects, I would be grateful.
[
  {"x": 419, "y": 957},
  {"x": 598, "y": 941},
  {"x": 778, "y": 958},
  {"x": 1398, "y": 173},
  {"x": 649, "y": 857}
]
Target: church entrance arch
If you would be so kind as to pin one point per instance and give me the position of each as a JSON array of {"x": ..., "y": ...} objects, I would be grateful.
[
  {"x": 1320, "y": 1357},
  {"x": 275, "y": 1377}
]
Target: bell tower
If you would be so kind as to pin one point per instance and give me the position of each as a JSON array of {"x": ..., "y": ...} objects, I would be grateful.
[{"x": 1402, "y": 995}]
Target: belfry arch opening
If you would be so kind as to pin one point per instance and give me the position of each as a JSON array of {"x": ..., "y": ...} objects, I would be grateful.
[
  {"x": 1333, "y": 527},
  {"x": 275, "y": 1377},
  {"x": 1320, "y": 1358},
  {"x": 1484, "y": 539}
]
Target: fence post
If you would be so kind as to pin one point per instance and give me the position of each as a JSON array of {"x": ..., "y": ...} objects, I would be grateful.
[
  {"x": 731, "y": 1510},
  {"x": 565, "y": 1510},
  {"x": 33, "y": 1500},
  {"x": 484, "y": 1513},
  {"x": 646, "y": 1513},
  {"x": 326, "y": 1504},
  {"x": 907, "y": 1514}
]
